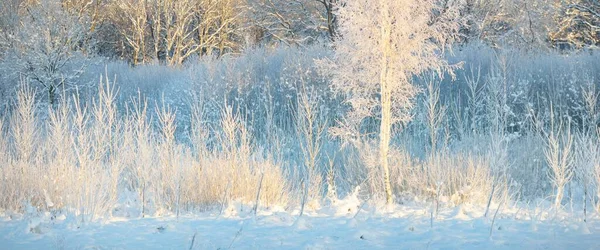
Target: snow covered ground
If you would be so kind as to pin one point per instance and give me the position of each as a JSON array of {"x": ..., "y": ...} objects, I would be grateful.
[{"x": 332, "y": 227}]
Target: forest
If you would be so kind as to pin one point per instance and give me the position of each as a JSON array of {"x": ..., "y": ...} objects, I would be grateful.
[{"x": 171, "y": 108}]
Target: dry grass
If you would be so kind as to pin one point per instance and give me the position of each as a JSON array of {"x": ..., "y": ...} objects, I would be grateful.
[
  {"x": 83, "y": 157},
  {"x": 456, "y": 178}
]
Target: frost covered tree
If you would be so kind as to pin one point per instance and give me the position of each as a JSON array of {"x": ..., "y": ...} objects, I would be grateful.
[
  {"x": 514, "y": 22},
  {"x": 8, "y": 20},
  {"x": 295, "y": 22},
  {"x": 134, "y": 16},
  {"x": 44, "y": 46},
  {"x": 172, "y": 31},
  {"x": 382, "y": 46}
]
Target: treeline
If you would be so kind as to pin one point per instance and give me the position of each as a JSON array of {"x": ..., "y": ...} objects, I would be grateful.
[
  {"x": 167, "y": 31},
  {"x": 50, "y": 43},
  {"x": 172, "y": 31}
]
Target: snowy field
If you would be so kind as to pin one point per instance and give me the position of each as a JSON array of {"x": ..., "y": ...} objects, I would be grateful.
[
  {"x": 334, "y": 227},
  {"x": 243, "y": 124}
]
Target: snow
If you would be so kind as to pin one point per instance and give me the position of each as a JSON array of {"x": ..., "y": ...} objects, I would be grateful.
[{"x": 407, "y": 226}]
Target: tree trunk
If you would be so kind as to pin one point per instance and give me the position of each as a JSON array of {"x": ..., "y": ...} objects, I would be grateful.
[
  {"x": 384, "y": 141},
  {"x": 559, "y": 195},
  {"x": 143, "y": 199},
  {"x": 51, "y": 95},
  {"x": 386, "y": 102},
  {"x": 331, "y": 21}
]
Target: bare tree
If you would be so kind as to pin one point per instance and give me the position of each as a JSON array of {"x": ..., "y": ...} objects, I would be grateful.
[
  {"x": 9, "y": 20},
  {"x": 220, "y": 25},
  {"x": 578, "y": 24},
  {"x": 295, "y": 22},
  {"x": 134, "y": 16},
  {"x": 178, "y": 30},
  {"x": 560, "y": 160},
  {"x": 330, "y": 7},
  {"x": 45, "y": 44},
  {"x": 383, "y": 44},
  {"x": 435, "y": 111},
  {"x": 559, "y": 152},
  {"x": 500, "y": 22},
  {"x": 310, "y": 130},
  {"x": 173, "y": 30}
]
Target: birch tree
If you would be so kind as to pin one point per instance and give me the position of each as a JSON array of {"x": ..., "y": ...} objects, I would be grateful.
[{"x": 382, "y": 45}]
